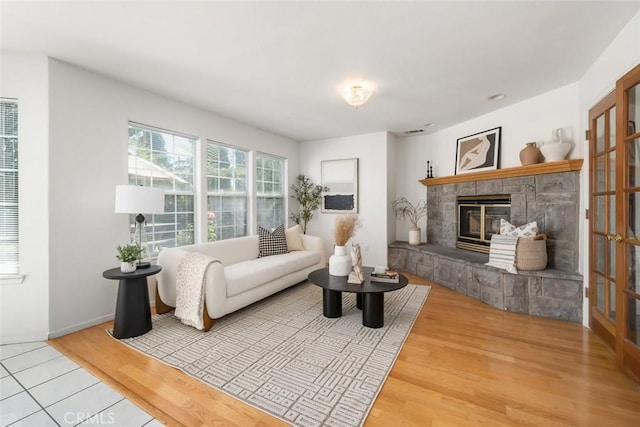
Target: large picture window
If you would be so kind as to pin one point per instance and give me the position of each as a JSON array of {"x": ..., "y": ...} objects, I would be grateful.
[
  {"x": 9, "y": 226},
  {"x": 270, "y": 188},
  {"x": 226, "y": 192},
  {"x": 163, "y": 159}
]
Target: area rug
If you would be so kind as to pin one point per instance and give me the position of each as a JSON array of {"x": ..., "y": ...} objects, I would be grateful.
[{"x": 283, "y": 356}]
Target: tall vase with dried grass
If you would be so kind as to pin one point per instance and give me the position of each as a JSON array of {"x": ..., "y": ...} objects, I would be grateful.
[{"x": 345, "y": 228}]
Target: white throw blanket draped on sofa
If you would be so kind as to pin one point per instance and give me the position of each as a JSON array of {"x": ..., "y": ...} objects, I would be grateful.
[
  {"x": 190, "y": 288},
  {"x": 502, "y": 252}
]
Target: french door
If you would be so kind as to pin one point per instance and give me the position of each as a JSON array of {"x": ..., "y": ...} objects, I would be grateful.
[
  {"x": 615, "y": 221},
  {"x": 628, "y": 265},
  {"x": 603, "y": 236}
]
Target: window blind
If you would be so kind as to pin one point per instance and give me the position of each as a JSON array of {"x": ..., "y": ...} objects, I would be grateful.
[{"x": 9, "y": 210}]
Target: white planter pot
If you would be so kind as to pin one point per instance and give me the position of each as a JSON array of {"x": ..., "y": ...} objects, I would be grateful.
[
  {"x": 340, "y": 262},
  {"x": 414, "y": 236},
  {"x": 128, "y": 267}
]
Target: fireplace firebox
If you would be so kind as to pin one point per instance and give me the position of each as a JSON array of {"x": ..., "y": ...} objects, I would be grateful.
[{"x": 479, "y": 218}]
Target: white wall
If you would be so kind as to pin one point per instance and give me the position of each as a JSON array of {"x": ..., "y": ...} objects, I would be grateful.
[
  {"x": 371, "y": 151},
  {"x": 89, "y": 116},
  {"x": 24, "y": 307},
  {"x": 620, "y": 56},
  {"x": 527, "y": 121}
]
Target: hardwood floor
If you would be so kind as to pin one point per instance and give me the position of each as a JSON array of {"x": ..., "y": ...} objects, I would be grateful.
[{"x": 464, "y": 363}]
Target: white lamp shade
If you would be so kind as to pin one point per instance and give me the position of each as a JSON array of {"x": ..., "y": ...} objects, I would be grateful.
[{"x": 136, "y": 199}]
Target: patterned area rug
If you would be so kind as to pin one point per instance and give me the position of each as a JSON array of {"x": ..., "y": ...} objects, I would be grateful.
[{"x": 284, "y": 357}]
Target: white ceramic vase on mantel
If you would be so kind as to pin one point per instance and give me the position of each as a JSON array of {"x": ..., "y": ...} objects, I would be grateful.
[
  {"x": 555, "y": 149},
  {"x": 340, "y": 262}
]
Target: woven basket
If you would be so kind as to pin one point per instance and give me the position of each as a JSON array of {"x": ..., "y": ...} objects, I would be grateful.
[{"x": 531, "y": 254}]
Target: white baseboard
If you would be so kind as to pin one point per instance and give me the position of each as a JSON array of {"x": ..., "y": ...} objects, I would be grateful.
[
  {"x": 84, "y": 325},
  {"x": 19, "y": 339},
  {"x": 80, "y": 326}
]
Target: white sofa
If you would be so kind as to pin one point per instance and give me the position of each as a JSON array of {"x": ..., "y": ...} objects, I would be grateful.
[{"x": 241, "y": 278}]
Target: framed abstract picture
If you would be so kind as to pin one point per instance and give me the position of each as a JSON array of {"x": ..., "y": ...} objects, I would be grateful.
[
  {"x": 341, "y": 177},
  {"x": 478, "y": 152}
]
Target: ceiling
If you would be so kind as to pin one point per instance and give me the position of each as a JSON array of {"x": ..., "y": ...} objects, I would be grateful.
[{"x": 281, "y": 66}]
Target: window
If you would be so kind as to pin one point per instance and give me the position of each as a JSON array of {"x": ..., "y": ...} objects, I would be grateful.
[
  {"x": 9, "y": 232},
  {"x": 163, "y": 159},
  {"x": 270, "y": 190},
  {"x": 226, "y": 192}
]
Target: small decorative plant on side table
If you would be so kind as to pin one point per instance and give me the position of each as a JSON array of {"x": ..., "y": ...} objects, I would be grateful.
[
  {"x": 129, "y": 255},
  {"x": 404, "y": 210}
]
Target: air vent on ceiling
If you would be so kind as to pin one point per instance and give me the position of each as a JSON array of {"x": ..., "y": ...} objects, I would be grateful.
[{"x": 414, "y": 131}]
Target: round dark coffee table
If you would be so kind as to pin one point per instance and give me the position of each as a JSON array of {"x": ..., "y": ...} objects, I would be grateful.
[
  {"x": 133, "y": 312},
  {"x": 369, "y": 295}
]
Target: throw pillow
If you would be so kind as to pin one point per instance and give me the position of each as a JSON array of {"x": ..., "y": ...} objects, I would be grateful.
[
  {"x": 271, "y": 242},
  {"x": 527, "y": 230},
  {"x": 294, "y": 241}
]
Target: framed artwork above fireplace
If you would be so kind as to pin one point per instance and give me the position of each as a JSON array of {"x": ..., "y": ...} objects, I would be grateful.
[{"x": 478, "y": 152}]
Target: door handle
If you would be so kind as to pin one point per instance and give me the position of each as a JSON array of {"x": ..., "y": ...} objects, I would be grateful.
[{"x": 614, "y": 237}]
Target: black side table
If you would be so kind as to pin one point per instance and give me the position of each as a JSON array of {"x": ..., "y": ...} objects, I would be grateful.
[{"x": 133, "y": 312}]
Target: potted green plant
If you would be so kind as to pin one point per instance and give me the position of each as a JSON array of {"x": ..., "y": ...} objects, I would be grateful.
[
  {"x": 405, "y": 210},
  {"x": 308, "y": 195},
  {"x": 129, "y": 255}
]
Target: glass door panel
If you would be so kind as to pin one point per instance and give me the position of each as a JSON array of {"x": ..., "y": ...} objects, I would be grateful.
[
  {"x": 600, "y": 293},
  {"x": 633, "y": 321},
  {"x": 633, "y": 278},
  {"x": 633, "y": 115},
  {"x": 612, "y": 171}
]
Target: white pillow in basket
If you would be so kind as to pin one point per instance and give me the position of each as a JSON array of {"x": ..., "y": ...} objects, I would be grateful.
[{"x": 527, "y": 230}]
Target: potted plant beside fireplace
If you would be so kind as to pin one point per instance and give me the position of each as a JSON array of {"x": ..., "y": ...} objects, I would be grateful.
[{"x": 405, "y": 210}]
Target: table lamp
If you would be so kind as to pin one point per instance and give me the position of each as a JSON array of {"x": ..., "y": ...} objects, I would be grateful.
[{"x": 139, "y": 200}]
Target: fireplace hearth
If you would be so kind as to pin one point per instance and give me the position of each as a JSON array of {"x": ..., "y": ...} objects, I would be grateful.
[{"x": 479, "y": 218}]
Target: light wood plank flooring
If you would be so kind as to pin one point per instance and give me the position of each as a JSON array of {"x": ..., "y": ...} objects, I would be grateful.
[{"x": 464, "y": 363}]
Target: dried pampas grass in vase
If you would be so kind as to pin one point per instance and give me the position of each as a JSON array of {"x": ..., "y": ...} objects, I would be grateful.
[
  {"x": 340, "y": 262},
  {"x": 345, "y": 228}
]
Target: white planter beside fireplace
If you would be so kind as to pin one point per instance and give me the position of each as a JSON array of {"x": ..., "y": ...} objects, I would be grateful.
[{"x": 414, "y": 236}]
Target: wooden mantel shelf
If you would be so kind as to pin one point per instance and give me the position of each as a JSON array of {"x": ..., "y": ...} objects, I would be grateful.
[{"x": 537, "y": 169}]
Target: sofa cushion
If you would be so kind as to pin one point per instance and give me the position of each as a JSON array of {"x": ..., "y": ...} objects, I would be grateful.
[
  {"x": 271, "y": 242},
  {"x": 294, "y": 242},
  {"x": 247, "y": 275}
]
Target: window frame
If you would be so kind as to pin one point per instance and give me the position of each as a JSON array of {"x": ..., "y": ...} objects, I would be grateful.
[
  {"x": 151, "y": 224},
  {"x": 246, "y": 194},
  {"x": 283, "y": 195}
]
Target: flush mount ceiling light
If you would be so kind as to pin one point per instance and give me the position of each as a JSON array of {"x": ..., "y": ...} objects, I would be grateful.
[
  {"x": 497, "y": 97},
  {"x": 357, "y": 95}
]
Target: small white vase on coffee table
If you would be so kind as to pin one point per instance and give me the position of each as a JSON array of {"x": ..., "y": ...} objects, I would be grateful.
[{"x": 340, "y": 262}]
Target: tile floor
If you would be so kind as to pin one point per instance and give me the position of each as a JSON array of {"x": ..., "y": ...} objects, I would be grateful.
[{"x": 41, "y": 387}]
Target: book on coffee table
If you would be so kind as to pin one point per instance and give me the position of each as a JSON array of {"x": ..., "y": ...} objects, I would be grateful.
[{"x": 388, "y": 276}]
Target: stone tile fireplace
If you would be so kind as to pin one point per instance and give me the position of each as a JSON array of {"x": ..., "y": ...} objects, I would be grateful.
[
  {"x": 546, "y": 193},
  {"x": 549, "y": 199}
]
